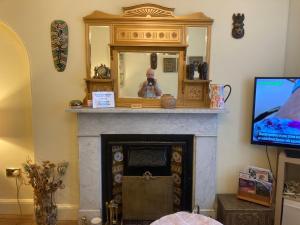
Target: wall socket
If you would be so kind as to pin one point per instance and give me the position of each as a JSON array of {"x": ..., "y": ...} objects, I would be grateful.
[{"x": 13, "y": 172}]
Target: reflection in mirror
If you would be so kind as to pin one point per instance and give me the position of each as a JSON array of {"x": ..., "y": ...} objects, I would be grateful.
[
  {"x": 133, "y": 68},
  {"x": 197, "y": 47},
  {"x": 99, "y": 37}
]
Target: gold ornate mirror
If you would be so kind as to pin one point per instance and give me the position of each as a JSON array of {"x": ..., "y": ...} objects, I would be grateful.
[{"x": 124, "y": 44}]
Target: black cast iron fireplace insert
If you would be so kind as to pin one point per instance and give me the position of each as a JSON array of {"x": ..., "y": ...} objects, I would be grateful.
[{"x": 134, "y": 154}]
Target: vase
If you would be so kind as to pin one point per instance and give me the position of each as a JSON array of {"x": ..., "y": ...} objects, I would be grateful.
[
  {"x": 217, "y": 95},
  {"x": 190, "y": 70},
  {"x": 168, "y": 101},
  {"x": 203, "y": 71},
  {"x": 45, "y": 210}
]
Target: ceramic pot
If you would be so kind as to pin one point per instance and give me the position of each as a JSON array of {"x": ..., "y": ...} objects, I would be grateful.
[{"x": 168, "y": 101}]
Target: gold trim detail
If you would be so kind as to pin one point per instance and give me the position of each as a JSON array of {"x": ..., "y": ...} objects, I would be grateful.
[
  {"x": 148, "y": 10},
  {"x": 153, "y": 35}
]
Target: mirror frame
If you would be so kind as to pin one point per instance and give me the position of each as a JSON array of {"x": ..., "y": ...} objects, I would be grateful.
[{"x": 148, "y": 22}]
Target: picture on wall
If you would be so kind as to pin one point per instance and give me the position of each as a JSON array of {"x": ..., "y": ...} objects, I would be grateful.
[
  {"x": 170, "y": 65},
  {"x": 196, "y": 60}
]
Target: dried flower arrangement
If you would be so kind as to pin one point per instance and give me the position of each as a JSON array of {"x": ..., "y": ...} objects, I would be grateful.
[{"x": 45, "y": 180}]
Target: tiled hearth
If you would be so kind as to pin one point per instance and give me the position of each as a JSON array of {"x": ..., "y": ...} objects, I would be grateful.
[{"x": 92, "y": 123}]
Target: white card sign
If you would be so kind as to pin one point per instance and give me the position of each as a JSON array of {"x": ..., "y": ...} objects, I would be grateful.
[{"x": 103, "y": 99}]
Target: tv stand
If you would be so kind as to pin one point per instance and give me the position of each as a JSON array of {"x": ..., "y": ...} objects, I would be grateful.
[
  {"x": 286, "y": 170},
  {"x": 292, "y": 153}
]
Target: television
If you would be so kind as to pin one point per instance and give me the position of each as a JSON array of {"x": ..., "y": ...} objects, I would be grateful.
[{"x": 276, "y": 112}]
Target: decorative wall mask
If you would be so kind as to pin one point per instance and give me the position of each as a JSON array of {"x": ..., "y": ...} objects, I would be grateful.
[
  {"x": 59, "y": 44},
  {"x": 238, "y": 26},
  {"x": 153, "y": 61}
]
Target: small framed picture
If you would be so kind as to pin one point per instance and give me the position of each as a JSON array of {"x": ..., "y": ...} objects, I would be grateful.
[
  {"x": 170, "y": 65},
  {"x": 103, "y": 99},
  {"x": 196, "y": 60}
]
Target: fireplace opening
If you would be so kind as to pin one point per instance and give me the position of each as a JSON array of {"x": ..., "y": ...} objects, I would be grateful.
[
  {"x": 141, "y": 157},
  {"x": 167, "y": 161}
]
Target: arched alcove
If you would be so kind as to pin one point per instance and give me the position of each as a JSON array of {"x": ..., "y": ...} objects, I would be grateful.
[{"x": 16, "y": 142}]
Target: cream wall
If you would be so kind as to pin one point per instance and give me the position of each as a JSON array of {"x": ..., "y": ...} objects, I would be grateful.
[
  {"x": 15, "y": 118},
  {"x": 292, "y": 65},
  {"x": 260, "y": 52}
]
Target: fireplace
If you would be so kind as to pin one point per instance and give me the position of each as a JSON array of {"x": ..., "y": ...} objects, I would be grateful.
[
  {"x": 94, "y": 124},
  {"x": 160, "y": 156}
]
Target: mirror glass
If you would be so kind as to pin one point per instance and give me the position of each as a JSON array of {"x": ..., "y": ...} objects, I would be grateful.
[
  {"x": 132, "y": 74},
  {"x": 197, "y": 47},
  {"x": 99, "y": 37}
]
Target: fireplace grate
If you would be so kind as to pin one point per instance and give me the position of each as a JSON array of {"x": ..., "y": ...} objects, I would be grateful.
[{"x": 133, "y": 155}]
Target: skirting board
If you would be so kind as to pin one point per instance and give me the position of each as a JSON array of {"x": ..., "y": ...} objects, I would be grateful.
[
  {"x": 208, "y": 212},
  {"x": 10, "y": 206},
  {"x": 94, "y": 213}
]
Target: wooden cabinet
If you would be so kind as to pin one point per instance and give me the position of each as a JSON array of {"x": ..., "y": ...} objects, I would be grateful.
[
  {"x": 288, "y": 169},
  {"x": 232, "y": 211}
]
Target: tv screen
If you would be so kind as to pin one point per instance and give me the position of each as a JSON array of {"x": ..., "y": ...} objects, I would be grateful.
[{"x": 276, "y": 112}]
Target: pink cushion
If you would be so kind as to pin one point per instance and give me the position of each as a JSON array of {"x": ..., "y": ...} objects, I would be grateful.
[{"x": 185, "y": 218}]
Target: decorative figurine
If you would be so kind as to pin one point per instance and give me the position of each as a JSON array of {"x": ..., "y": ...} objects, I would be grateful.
[
  {"x": 153, "y": 60},
  {"x": 238, "y": 26},
  {"x": 190, "y": 70},
  {"x": 101, "y": 72},
  {"x": 76, "y": 104},
  {"x": 59, "y": 44},
  {"x": 203, "y": 70},
  {"x": 83, "y": 221},
  {"x": 111, "y": 213}
]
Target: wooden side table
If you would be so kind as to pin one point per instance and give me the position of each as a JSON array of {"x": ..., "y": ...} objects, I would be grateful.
[{"x": 233, "y": 211}]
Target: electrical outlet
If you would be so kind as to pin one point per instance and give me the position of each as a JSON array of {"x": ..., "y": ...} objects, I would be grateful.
[{"x": 13, "y": 172}]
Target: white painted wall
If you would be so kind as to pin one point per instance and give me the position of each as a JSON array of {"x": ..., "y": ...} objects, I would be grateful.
[
  {"x": 292, "y": 64},
  {"x": 260, "y": 52}
]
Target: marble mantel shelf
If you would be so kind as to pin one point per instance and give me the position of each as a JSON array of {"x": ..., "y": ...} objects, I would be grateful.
[{"x": 148, "y": 110}]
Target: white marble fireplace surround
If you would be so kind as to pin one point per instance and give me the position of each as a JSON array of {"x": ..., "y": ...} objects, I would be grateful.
[{"x": 202, "y": 123}]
